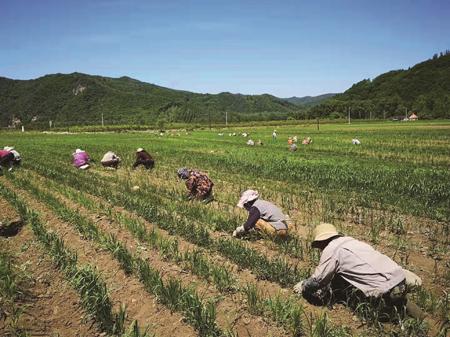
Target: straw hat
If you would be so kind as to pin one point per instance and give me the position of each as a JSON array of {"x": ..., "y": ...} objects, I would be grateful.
[
  {"x": 323, "y": 232},
  {"x": 247, "y": 196},
  {"x": 78, "y": 151},
  {"x": 8, "y": 148},
  {"x": 140, "y": 149}
]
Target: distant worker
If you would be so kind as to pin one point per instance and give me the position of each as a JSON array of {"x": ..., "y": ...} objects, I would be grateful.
[
  {"x": 250, "y": 142},
  {"x": 295, "y": 139},
  {"x": 17, "y": 158},
  {"x": 81, "y": 159},
  {"x": 263, "y": 216},
  {"x": 110, "y": 160},
  {"x": 259, "y": 142},
  {"x": 6, "y": 159},
  {"x": 307, "y": 141},
  {"x": 143, "y": 158},
  {"x": 293, "y": 147},
  {"x": 198, "y": 184},
  {"x": 245, "y": 134},
  {"x": 356, "y": 141},
  {"x": 351, "y": 270},
  {"x": 274, "y": 135},
  {"x": 290, "y": 141}
]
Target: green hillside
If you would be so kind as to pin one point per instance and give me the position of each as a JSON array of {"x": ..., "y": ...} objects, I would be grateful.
[
  {"x": 81, "y": 99},
  {"x": 306, "y": 101},
  {"x": 424, "y": 89}
]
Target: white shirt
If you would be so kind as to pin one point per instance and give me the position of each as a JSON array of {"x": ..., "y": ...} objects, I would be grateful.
[{"x": 359, "y": 264}]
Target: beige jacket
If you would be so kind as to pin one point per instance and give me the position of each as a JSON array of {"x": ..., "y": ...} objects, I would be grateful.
[{"x": 359, "y": 264}]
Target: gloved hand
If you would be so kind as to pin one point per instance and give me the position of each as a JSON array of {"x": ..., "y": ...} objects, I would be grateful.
[
  {"x": 238, "y": 231},
  {"x": 298, "y": 288}
]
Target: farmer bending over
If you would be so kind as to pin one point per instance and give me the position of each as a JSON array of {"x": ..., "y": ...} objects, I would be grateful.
[
  {"x": 17, "y": 159},
  {"x": 143, "y": 158},
  {"x": 6, "y": 158},
  {"x": 198, "y": 184},
  {"x": 81, "y": 159},
  {"x": 262, "y": 216},
  {"x": 110, "y": 160},
  {"x": 353, "y": 272}
]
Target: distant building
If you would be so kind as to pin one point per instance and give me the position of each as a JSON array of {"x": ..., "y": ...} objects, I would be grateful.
[
  {"x": 413, "y": 117},
  {"x": 399, "y": 118}
]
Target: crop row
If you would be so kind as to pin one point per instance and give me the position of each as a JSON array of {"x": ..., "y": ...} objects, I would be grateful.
[
  {"x": 170, "y": 293},
  {"x": 84, "y": 279},
  {"x": 286, "y": 312},
  {"x": 276, "y": 269}
]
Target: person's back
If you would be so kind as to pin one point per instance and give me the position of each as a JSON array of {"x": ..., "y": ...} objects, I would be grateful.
[
  {"x": 108, "y": 156},
  {"x": 362, "y": 266},
  {"x": 143, "y": 155},
  {"x": 269, "y": 212},
  {"x": 80, "y": 158},
  {"x": 4, "y": 153}
]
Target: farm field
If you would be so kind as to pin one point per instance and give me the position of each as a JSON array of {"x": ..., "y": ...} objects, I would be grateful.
[{"x": 97, "y": 257}]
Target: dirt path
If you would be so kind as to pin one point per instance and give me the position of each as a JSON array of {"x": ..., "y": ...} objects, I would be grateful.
[{"x": 51, "y": 307}]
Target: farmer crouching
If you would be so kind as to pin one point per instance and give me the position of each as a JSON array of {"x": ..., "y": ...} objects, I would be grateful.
[
  {"x": 81, "y": 159},
  {"x": 198, "y": 184},
  {"x": 262, "y": 216},
  {"x": 143, "y": 158},
  {"x": 6, "y": 159},
  {"x": 110, "y": 160},
  {"x": 17, "y": 158},
  {"x": 352, "y": 272}
]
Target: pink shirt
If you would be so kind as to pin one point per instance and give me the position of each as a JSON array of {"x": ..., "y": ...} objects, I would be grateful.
[{"x": 359, "y": 264}]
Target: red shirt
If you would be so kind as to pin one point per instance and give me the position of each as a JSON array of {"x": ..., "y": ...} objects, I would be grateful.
[{"x": 4, "y": 153}]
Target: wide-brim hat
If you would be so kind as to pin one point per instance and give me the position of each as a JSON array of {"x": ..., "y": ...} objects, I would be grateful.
[
  {"x": 140, "y": 149},
  {"x": 323, "y": 232},
  {"x": 8, "y": 148},
  {"x": 247, "y": 196}
]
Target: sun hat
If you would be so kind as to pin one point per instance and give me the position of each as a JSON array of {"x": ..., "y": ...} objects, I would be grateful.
[
  {"x": 78, "y": 151},
  {"x": 247, "y": 196},
  {"x": 323, "y": 232},
  {"x": 183, "y": 173},
  {"x": 8, "y": 148},
  {"x": 140, "y": 149}
]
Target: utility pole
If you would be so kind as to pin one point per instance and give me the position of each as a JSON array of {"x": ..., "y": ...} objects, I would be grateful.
[
  {"x": 226, "y": 118},
  {"x": 348, "y": 109},
  {"x": 406, "y": 113},
  {"x": 209, "y": 118},
  {"x": 103, "y": 123},
  {"x": 318, "y": 123}
]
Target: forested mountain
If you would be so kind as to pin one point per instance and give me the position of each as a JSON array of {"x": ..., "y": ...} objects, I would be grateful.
[
  {"x": 82, "y": 99},
  {"x": 424, "y": 89},
  {"x": 77, "y": 99},
  {"x": 307, "y": 101}
]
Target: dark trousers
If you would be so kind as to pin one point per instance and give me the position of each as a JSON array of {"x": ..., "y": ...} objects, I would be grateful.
[
  {"x": 387, "y": 307},
  {"x": 111, "y": 163},
  {"x": 7, "y": 160},
  {"x": 148, "y": 164}
]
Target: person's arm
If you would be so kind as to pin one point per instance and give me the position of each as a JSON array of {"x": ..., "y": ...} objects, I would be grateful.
[
  {"x": 323, "y": 273},
  {"x": 191, "y": 184},
  {"x": 253, "y": 216}
]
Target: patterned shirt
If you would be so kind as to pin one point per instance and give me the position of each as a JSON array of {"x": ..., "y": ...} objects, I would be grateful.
[{"x": 198, "y": 184}]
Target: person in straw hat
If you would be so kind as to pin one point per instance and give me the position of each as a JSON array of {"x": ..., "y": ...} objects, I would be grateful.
[
  {"x": 143, "y": 158},
  {"x": 353, "y": 271},
  {"x": 262, "y": 216}
]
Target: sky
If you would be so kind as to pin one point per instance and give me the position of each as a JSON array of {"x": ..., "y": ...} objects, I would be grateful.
[{"x": 284, "y": 48}]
